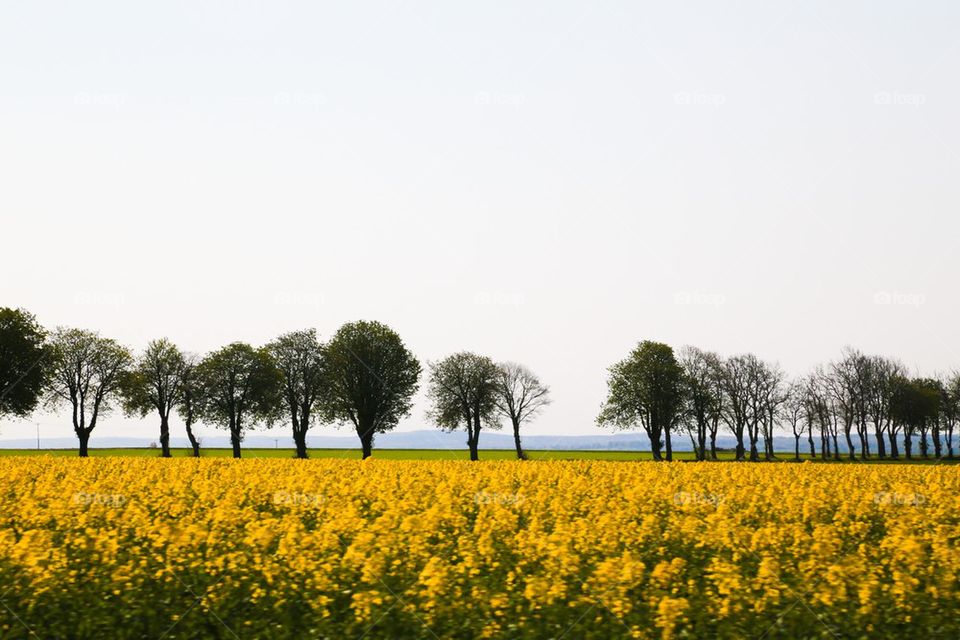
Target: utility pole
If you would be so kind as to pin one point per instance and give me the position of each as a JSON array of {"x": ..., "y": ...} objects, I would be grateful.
[{"x": 276, "y": 443}]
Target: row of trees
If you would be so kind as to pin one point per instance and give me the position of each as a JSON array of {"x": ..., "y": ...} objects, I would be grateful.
[
  {"x": 866, "y": 400},
  {"x": 364, "y": 376}
]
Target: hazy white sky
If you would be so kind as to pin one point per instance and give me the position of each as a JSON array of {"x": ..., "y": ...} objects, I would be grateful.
[{"x": 544, "y": 182}]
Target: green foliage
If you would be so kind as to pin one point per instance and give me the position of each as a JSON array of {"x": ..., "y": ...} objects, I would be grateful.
[
  {"x": 915, "y": 402},
  {"x": 21, "y": 362},
  {"x": 372, "y": 377},
  {"x": 645, "y": 388},
  {"x": 86, "y": 371},
  {"x": 155, "y": 382},
  {"x": 238, "y": 386},
  {"x": 463, "y": 389},
  {"x": 301, "y": 360}
]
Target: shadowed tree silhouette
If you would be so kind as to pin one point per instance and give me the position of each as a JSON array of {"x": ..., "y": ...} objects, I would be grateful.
[{"x": 371, "y": 378}]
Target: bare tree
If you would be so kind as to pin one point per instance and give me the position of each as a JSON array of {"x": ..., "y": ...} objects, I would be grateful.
[
  {"x": 794, "y": 412},
  {"x": 820, "y": 410},
  {"x": 718, "y": 407},
  {"x": 701, "y": 399},
  {"x": 85, "y": 370},
  {"x": 882, "y": 372},
  {"x": 773, "y": 394},
  {"x": 520, "y": 396},
  {"x": 737, "y": 380},
  {"x": 841, "y": 383}
]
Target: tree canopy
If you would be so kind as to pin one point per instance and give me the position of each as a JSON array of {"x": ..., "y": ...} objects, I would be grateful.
[
  {"x": 22, "y": 364},
  {"x": 372, "y": 377}
]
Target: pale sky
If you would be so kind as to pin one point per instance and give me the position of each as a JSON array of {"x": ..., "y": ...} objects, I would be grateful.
[{"x": 543, "y": 182}]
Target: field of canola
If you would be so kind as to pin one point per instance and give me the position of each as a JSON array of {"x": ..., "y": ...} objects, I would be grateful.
[{"x": 268, "y": 548}]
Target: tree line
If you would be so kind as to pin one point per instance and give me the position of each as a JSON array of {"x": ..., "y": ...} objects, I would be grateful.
[
  {"x": 364, "y": 376},
  {"x": 858, "y": 406},
  {"x": 867, "y": 403}
]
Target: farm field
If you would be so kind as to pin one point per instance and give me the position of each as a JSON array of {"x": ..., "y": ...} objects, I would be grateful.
[{"x": 131, "y": 547}]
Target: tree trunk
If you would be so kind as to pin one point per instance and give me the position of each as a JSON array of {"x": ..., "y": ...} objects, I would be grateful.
[
  {"x": 194, "y": 443},
  {"x": 894, "y": 453},
  {"x": 908, "y": 445},
  {"x": 654, "y": 438},
  {"x": 713, "y": 445},
  {"x": 164, "y": 437},
  {"x": 474, "y": 441},
  {"x": 300, "y": 441},
  {"x": 516, "y": 440},
  {"x": 851, "y": 450},
  {"x": 702, "y": 441},
  {"x": 881, "y": 447},
  {"x": 740, "y": 450},
  {"x": 813, "y": 449},
  {"x": 84, "y": 436},
  {"x": 235, "y": 441},
  {"x": 366, "y": 440},
  {"x": 300, "y": 435},
  {"x": 796, "y": 448},
  {"x": 669, "y": 445}
]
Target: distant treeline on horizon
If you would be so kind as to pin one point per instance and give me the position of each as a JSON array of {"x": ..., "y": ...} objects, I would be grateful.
[{"x": 859, "y": 406}]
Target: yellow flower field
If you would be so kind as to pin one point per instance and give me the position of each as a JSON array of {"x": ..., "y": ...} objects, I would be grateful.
[{"x": 131, "y": 548}]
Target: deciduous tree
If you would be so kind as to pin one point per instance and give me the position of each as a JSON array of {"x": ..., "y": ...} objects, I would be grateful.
[
  {"x": 300, "y": 358},
  {"x": 520, "y": 397},
  {"x": 239, "y": 386},
  {"x": 155, "y": 383},
  {"x": 372, "y": 377},
  {"x": 464, "y": 390},
  {"x": 22, "y": 364},
  {"x": 86, "y": 371},
  {"x": 646, "y": 388}
]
